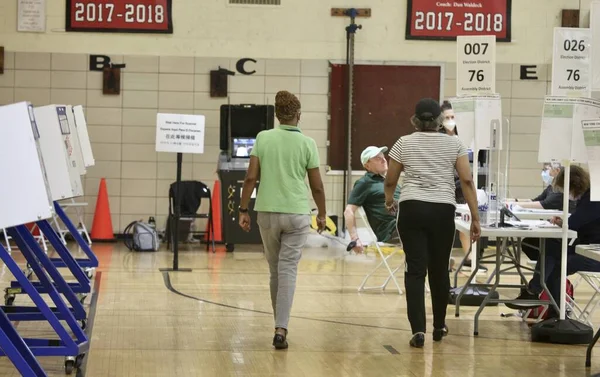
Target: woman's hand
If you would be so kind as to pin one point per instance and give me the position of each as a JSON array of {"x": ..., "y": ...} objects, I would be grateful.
[
  {"x": 359, "y": 248},
  {"x": 245, "y": 221},
  {"x": 475, "y": 230},
  {"x": 557, "y": 221},
  {"x": 321, "y": 223},
  {"x": 392, "y": 208}
]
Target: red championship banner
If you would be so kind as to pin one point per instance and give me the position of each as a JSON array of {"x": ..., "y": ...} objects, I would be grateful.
[
  {"x": 445, "y": 20},
  {"x": 119, "y": 16}
]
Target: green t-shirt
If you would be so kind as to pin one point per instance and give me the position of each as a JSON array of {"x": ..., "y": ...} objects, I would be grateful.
[
  {"x": 368, "y": 192},
  {"x": 285, "y": 154}
]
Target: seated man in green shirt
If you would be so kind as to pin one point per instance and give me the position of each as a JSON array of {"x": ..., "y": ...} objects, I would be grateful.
[{"x": 368, "y": 193}]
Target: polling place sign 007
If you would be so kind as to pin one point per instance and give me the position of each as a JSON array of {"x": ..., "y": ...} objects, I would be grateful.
[
  {"x": 475, "y": 65},
  {"x": 180, "y": 133}
]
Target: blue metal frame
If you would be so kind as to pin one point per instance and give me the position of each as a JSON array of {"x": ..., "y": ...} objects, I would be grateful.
[
  {"x": 92, "y": 261},
  {"x": 65, "y": 259},
  {"x": 65, "y": 346},
  {"x": 14, "y": 346},
  {"x": 20, "y": 313}
]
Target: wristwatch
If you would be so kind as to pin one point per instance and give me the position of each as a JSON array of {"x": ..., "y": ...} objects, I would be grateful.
[{"x": 242, "y": 210}]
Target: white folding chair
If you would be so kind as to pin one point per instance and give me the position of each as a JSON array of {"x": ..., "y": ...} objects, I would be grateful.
[
  {"x": 78, "y": 206},
  {"x": 6, "y": 238},
  {"x": 586, "y": 314},
  {"x": 384, "y": 261}
]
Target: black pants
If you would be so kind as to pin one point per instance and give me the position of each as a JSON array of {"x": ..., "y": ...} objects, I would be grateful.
[
  {"x": 531, "y": 248},
  {"x": 427, "y": 233}
]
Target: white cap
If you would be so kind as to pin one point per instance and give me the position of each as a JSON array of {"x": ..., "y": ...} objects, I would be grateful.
[{"x": 371, "y": 152}]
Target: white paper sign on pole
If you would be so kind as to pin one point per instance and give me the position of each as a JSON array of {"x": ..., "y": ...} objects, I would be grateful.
[
  {"x": 180, "y": 133},
  {"x": 595, "y": 28},
  {"x": 561, "y": 136},
  {"x": 464, "y": 115},
  {"x": 571, "y": 62},
  {"x": 475, "y": 65},
  {"x": 591, "y": 136},
  {"x": 475, "y": 116},
  {"x": 488, "y": 115}
]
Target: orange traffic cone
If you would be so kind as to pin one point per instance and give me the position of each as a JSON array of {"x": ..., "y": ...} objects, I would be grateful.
[
  {"x": 216, "y": 215},
  {"x": 36, "y": 230},
  {"x": 102, "y": 229}
]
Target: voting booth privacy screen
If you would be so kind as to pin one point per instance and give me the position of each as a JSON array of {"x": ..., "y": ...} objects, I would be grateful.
[
  {"x": 84, "y": 138},
  {"x": 25, "y": 199},
  {"x": 64, "y": 178},
  {"x": 77, "y": 153}
]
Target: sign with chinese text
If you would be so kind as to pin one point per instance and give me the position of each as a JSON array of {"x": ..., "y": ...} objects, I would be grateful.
[{"x": 180, "y": 133}]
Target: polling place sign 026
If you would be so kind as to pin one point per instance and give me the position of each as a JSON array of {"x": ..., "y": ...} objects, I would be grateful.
[
  {"x": 180, "y": 133},
  {"x": 571, "y": 62}
]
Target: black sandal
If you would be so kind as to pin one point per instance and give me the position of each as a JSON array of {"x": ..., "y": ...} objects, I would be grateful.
[{"x": 280, "y": 341}]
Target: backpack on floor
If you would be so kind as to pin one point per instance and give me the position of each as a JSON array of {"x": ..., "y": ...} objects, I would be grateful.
[
  {"x": 143, "y": 237},
  {"x": 535, "y": 312}
]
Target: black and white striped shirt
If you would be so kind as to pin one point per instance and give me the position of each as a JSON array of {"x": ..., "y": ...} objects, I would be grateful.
[{"x": 429, "y": 160}]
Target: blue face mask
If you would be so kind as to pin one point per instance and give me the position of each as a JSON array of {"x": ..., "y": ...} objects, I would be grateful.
[{"x": 546, "y": 177}]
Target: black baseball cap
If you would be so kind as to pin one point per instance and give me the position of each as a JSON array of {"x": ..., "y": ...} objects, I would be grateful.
[{"x": 428, "y": 109}]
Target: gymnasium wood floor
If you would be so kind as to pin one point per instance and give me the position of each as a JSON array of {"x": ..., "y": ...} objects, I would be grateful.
[{"x": 216, "y": 321}]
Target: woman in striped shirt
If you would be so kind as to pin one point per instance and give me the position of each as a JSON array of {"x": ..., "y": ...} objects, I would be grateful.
[{"x": 426, "y": 212}]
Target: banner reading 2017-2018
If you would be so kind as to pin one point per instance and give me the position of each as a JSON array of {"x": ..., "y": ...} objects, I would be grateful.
[{"x": 445, "y": 20}]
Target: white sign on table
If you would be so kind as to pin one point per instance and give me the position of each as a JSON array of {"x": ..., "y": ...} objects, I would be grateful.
[
  {"x": 180, "y": 133},
  {"x": 561, "y": 136},
  {"x": 571, "y": 62},
  {"x": 591, "y": 136},
  {"x": 31, "y": 15},
  {"x": 475, "y": 65}
]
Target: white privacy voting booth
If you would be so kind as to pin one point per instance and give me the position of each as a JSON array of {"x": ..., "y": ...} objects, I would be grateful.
[
  {"x": 84, "y": 138},
  {"x": 562, "y": 140},
  {"x": 27, "y": 198},
  {"x": 82, "y": 152},
  {"x": 63, "y": 176}
]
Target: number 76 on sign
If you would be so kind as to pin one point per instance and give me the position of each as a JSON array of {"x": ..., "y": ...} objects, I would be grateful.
[{"x": 475, "y": 65}]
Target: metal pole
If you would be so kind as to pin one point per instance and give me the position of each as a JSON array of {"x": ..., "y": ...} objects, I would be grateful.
[
  {"x": 565, "y": 241},
  {"x": 350, "y": 33},
  {"x": 177, "y": 214}
]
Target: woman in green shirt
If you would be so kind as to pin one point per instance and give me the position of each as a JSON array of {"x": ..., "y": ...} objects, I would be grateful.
[{"x": 281, "y": 159}]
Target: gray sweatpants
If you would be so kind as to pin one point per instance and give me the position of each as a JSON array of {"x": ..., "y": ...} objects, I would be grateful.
[{"x": 283, "y": 236}]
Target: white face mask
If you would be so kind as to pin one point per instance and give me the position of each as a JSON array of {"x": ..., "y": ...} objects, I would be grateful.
[
  {"x": 547, "y": 177},
  {"x": 449, "y": 124}
]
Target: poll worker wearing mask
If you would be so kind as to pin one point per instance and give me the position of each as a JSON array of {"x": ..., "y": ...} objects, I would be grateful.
[
  {"x": 585, "y": 220},
  {"x": 283, "y": 157},
  {"x": 550, "y": 199},
  {"x": 449, "y": 128},
  {"x": 426, "y": 212},
  {"x": 368, "y": 193}
]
